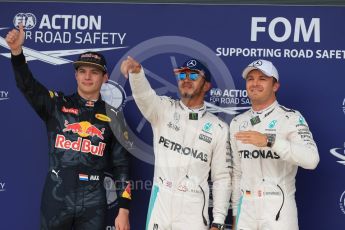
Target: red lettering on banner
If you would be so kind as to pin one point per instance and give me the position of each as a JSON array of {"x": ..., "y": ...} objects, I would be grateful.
[{"x": 83, "y": 145}]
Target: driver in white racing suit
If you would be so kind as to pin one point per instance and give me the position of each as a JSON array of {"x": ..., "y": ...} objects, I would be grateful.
[
  {"x": 269, "y": 142},
  {"x": 188, "y": 142}
]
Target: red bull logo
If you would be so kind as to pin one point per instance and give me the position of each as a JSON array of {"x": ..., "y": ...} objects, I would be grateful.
[
  {"x": 84, "y": 129},
  {"x": 82, "y": 145},
  {"x": 93, "y": 131}
]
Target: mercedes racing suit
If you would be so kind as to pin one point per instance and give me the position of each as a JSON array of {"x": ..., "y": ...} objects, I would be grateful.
[
  {"x": 263, "y": 195},
  {"x": 187, "y": 145},
  {"x": 82, "y": 147}
]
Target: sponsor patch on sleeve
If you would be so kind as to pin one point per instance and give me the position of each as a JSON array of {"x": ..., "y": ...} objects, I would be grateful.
[{"x": 127, "y": 193}]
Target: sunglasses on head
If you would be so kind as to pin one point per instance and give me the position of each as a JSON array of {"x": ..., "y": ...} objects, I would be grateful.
[{"x": 192, "y": 75}]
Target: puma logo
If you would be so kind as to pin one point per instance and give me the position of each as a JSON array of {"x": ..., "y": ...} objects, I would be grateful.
[{"x": 56, "y": 173}]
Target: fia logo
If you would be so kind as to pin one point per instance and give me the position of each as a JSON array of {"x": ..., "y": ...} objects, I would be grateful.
[
  {"x": 216, "y": 92},
  {"x": 27, "y": 19}
]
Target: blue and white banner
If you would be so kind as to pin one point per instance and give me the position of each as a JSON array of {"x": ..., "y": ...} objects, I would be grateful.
[{"x": 306, "y": 44}]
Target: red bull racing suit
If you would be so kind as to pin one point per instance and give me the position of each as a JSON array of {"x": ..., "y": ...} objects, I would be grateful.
[
  {"x": 82, "y": 146},
  {"x": 263, "y": 195},
  {"x": 187, "y": 145}
]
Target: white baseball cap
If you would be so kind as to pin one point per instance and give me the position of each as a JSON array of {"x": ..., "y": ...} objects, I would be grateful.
[{"x": 264, "y": 66}]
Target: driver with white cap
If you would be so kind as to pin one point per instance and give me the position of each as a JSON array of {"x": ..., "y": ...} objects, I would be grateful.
[{"x": 269, "y": 142}]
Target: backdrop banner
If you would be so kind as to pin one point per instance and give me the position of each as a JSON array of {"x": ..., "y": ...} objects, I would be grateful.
[{"x": 306, "y": 44}]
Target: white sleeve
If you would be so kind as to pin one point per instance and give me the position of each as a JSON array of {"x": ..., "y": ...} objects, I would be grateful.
[
  {"x": 148, "y": 102},
  {"x": 220, "y": 175},
  {"x": 298, "y": 147},
  {"x": 236, "y": 169}
]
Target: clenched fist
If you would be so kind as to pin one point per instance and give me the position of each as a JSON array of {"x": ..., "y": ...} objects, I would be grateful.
[{"x": 15, "y": 39}]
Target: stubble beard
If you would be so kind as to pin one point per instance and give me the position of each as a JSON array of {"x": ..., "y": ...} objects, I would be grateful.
[{"x": 186, "y": 95}]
